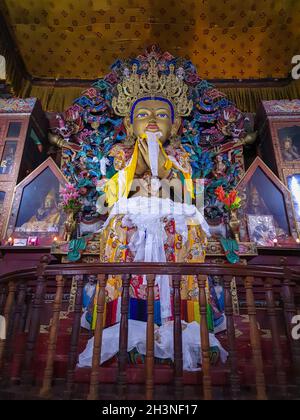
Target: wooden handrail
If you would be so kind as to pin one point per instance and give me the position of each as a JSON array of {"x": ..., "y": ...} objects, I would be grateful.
[{"x": 53, "y": 270}]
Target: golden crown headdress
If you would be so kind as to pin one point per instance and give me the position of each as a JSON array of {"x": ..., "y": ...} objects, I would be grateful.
[{"x": 151, "y": 84}]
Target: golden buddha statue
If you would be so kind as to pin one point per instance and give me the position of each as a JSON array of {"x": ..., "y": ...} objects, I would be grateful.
[
  {"x": 46, "y": 218},
  {"x": 145, "y": 223},
  {"x": 145, "y": 226},
  {"x": 152, "y": 106}
]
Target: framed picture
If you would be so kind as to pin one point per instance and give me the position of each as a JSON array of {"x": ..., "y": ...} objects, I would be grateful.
[
  {"x": 35, "y": 211},
  {"x": 20, "y": 242},
  {"x": 278, "y": 122},
  {"x": 8, "y": 157},
  {"x": 283, "y": 148},
  {"x": 263, "y": 194},
  {"x": 289, "y": 143},
  {"x": 261, "y": 229},
  {"x": 292, "y": 177}
]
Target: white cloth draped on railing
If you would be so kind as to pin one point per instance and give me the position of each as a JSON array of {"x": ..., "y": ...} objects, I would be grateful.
[{"x": 163, "y": 344}]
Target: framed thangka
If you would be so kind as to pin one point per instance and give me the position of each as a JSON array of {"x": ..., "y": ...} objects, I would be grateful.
[
  {"x": 292, "y": 177},
  {"x": 263, "y": 194},
  {"x": 289, "y": 142},
  {"x": 261, "y": 229},
  {"x": 35, "y": 211}
]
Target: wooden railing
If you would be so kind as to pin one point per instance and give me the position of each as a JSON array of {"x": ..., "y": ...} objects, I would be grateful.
[{"x": 273, "y": 288}]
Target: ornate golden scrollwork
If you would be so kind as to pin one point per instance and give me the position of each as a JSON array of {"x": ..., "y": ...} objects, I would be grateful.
[{"x": 151, "y": 84}]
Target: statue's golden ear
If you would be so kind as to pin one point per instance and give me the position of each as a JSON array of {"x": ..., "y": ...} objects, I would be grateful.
[
  {"x": 175, "y": 126},
  {"x": 128, "y": 125}
]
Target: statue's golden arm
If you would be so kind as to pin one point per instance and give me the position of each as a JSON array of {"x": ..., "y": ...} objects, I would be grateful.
[{"x": 62, "y": 143}]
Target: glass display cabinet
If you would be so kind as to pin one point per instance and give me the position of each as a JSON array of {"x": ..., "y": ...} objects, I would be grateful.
[{"x": 23, "y": 146}]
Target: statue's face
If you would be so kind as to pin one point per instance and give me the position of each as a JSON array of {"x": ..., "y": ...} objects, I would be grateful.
[{"x": 153, "y": 115}]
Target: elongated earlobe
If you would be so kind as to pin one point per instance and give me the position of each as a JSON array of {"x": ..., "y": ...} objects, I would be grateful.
[
  {"x": 176, "y": 126},
  {"x": 128, "y": 126}
]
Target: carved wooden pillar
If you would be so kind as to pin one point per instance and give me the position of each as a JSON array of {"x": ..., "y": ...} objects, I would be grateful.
[
  {"x": 234, "y": 376},
  {"x": 289, "y": 312},
  {"x": 48, "y": 373},
  {"x": 3, "y": 293},
  {"x": 278, "y": 358},
  {"x": 34, "y": 328},
  {"x": 14, "y": 327},
  {"x": 74, "y": 338},
  {"x": 19, "y": 307},
  {"x": 204, "y": 336},
  {"x": 150, "y": 339},
  {"x": 123, "y": 343},
  {"x": 8, "y": 309},
  {"x": 94, "y": 382},
  {"x": 255, "y": 340},
  {"x": 178, "y": 364}
]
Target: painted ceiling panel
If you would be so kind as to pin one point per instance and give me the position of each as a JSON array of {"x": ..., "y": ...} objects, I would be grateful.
[{"x": 225, "y": 39}]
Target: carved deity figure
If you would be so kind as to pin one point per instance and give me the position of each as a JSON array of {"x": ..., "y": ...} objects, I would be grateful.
[{"x": 220, "y": 170}]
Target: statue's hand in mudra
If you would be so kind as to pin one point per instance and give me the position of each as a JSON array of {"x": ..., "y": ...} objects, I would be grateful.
[{"x": 143, "y": 163}]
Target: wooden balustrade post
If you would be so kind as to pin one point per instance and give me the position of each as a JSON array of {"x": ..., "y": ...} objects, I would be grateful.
[
  {"x": 290, "y": 311},
  {"x": 3, "y": 292},
  {"x": 150, "y": 338},
  {"x": 234, "y": 376},
  {"x": 123, "y": 342},
  {"x": 178, "y": 364},
  {"x": 204, "y": 338},
  {"x": 20, "y": 307},
  {"x": 27, "y": 375},
  {"x": 72, "y": 359},
  {"x": 255, "y": 340},
  {"x": 14, "y": 327},
  {"x": 94, "y": 382},
  {"x": 8, "y": 309},
  {"x": 48, "y": 373},
  {"x": 278, "y": 357}
]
